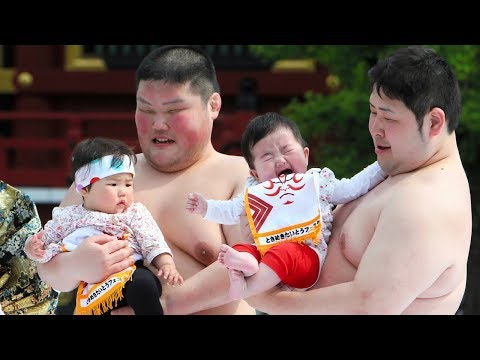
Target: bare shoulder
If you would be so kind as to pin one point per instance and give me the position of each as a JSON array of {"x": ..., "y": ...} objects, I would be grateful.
[
  {"x": 438, "y": 184},
  {"x": 438, "y": 196},
  {"x": 416, "y": 193},
  {"x": 230, "y": 166},
  {"x": 233, "y": 160},
  {"x": 232, "y": 170}
]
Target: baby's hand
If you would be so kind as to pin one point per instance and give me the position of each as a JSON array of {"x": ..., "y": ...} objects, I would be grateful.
[
  {"x": 170, "y": 273},
  {"x": 35, "y": 247},
  {"x": 196, "y": 203}
]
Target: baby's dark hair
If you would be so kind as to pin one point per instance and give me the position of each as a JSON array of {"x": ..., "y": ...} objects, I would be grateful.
[
  {"x": 261, "y": 126},
  {"x": 90, "y": 149}
]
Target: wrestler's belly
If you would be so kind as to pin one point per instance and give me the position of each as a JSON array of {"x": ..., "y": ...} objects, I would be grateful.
[{"x": 443, "y": 297}]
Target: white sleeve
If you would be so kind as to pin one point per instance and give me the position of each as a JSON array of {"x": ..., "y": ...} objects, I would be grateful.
[
  {"x": 346, "y": 190},
  {"x": 225, "y": 211}
]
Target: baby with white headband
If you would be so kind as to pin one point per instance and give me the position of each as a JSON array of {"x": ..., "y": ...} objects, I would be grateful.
[{"x": 104, "y": 172}]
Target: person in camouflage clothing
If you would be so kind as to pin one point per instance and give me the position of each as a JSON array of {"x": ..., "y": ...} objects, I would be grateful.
[{"x": 22, "y": 292}]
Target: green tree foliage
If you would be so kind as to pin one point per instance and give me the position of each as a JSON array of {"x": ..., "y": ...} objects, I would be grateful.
[{"x": 336, "y": 125}]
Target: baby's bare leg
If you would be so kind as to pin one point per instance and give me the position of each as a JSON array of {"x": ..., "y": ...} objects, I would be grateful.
[
  {"x": 241, "y": 287},
  {"x": 237, "y": 284},
  {"x": 233, "y": 259}
]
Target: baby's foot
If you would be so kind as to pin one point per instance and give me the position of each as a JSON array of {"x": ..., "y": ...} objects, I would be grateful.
[{"x": 233, "y": 259}]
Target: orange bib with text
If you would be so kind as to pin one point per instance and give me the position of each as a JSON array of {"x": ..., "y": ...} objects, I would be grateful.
[{"x": 284, "y": 209}]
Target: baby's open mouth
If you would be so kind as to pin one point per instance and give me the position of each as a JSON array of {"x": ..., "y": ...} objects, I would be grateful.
[{"x": 286, "y": 172}]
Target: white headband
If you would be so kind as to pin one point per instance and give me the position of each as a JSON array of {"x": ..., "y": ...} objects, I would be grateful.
[{"x": 101, "y": 168}]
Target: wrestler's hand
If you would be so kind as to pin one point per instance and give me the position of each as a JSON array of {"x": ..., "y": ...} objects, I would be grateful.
[
  {"x": 170, "y": 273},
  {"x": 35, "y": 247},
  {"x": 100, "y": 256},
  {"x": 196, "y": 203},
  {"x": 245, "y": 231}
]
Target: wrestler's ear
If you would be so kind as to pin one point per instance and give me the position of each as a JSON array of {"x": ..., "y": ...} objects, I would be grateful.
[
  {"x": 254, "y": 174},
  {"x": 436, "y": 121},
  {"x": 215, "y": 104}
]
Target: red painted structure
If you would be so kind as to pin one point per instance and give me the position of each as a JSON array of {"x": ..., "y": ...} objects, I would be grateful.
[{"x": 46, "y": 116}]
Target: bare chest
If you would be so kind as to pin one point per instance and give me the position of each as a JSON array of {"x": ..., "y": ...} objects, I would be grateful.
[
  {"x": 356, "y": 226},
  {"x": 352, "y": 229},
  {"x": 191, "y": 238}
]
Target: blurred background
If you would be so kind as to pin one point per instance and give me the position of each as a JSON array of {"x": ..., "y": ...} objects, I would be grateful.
[{"x": 52, "y": 96}]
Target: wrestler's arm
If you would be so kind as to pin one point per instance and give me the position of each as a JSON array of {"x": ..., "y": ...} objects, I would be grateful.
[
  {"x": 206, "y": 289},
  {"x": 407, "y": 253},
  {"x": 90, "y": 261}
]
